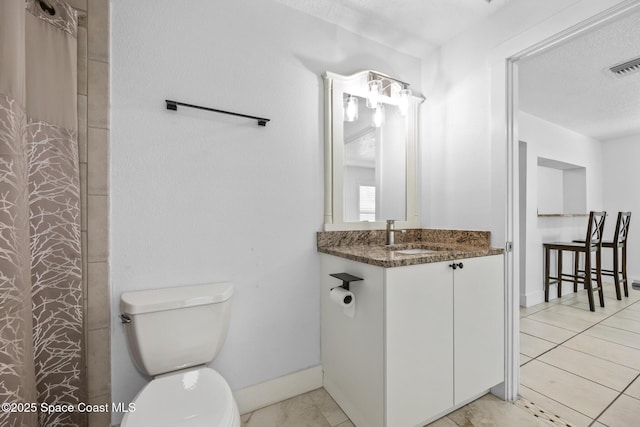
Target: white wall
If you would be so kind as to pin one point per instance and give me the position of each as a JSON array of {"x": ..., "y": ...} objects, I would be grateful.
[
  {"x": 464, "y": 151},
  {"x": 550, "y": 141},
  {"x": 199, "y": 197},
  {"x": 550, "y": 192},
  {"x": 621, "y": 159}
]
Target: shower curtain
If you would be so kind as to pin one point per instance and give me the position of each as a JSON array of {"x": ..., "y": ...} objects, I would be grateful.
[{"x": 41, "y": 311}]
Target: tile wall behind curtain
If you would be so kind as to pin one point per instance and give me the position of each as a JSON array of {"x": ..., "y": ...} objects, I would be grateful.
[{"x": 93, "y": 140}]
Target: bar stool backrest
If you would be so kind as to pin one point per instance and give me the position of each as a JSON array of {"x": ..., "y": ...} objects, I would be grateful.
[
  {"x": 622, "y": 228},
  {"x": 595, "y": 229}
]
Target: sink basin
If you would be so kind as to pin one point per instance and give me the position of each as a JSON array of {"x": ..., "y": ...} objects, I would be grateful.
[{"x": 415, "y": 252}]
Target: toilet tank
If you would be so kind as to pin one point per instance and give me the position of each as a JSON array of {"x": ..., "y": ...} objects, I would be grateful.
[{"x": 176, "y": 328}]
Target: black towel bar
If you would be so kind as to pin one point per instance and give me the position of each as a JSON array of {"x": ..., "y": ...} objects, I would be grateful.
[{"x": 173, "y": 105}]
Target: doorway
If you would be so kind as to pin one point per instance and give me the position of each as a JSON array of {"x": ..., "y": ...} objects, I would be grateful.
[{"x": 523, "y": 159}]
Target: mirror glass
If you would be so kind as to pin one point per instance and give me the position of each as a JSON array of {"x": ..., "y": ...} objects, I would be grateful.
[
  {"x": 374, "y": 186},
  {"x": 370, "y": 152}
]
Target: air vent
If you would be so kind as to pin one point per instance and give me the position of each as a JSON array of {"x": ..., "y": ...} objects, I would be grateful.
[{"x": 626, "y": 68}]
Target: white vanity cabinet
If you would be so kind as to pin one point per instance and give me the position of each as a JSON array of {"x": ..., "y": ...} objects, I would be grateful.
[{"x": 424, "y": 339}]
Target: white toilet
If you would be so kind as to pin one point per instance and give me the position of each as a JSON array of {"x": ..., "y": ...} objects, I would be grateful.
[{"x": 173, "y": 334}]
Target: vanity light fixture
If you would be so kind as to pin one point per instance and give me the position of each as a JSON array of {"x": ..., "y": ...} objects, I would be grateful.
[
  {"x": 350, "y": 108},
  {"x": 379, "y": 85},
  {"x": 377, "y": 119}
]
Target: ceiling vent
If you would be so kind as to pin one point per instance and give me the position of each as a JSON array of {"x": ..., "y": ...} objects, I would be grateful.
[{"x": 626, "y": 68}]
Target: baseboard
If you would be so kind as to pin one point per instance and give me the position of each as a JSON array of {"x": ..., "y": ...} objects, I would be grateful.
[{"x": 264, "y": 394}]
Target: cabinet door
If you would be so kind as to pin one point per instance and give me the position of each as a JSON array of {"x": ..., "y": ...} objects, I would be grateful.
[
  {"x": 418, "y": 343},
  {"x": 478, "y": 326}
]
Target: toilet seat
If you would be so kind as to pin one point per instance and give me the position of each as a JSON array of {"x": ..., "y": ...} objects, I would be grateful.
[{"x": 190, "y": 398}]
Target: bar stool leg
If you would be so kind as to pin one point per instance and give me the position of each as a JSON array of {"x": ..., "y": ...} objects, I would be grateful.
[
  {"x": 546, "y": 273},
  {"x": 576, "y": 269},
  {"x": 616, "y": 272},
  {"x": 587, "y": 280},
  {"x": 559, "y": 273},
  {"x": 599, "y": 276},
  {"x": 625, "y": 280}
]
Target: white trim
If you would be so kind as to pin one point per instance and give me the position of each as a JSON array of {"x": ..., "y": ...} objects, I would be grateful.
[{"x": 272, "y": 391}]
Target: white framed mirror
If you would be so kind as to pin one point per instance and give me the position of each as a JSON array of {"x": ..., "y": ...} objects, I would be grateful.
[{"x": 371, "y": 132}]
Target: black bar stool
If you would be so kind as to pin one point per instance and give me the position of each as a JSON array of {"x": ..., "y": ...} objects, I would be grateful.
[
  {"x": 591, "y": 244},
  {"x": 619, "y": 242},
  {"x": 619, "y": 246}
]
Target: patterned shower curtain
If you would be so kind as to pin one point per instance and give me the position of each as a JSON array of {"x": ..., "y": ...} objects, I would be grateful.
[{"x": 41, "y": 310}]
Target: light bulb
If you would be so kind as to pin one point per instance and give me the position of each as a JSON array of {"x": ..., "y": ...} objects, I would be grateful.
[
  {"x": 351, "y": 109},
  {"x": 403, "y": 101},
  {"x": 377, "y": 120}
]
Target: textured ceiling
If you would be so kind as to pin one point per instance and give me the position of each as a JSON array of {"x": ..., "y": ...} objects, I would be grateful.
[
  {"x": 415, "y": 27},
  {"x": 569, "y": 85}
]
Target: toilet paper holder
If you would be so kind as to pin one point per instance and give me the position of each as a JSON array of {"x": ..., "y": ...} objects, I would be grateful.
[{"x": 346, "y": 279}]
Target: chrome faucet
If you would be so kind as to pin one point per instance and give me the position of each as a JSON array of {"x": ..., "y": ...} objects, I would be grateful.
[{"x": 391, "y": 231}]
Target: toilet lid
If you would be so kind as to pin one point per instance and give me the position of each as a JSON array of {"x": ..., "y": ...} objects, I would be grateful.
[{"x": 193, "y": 398}]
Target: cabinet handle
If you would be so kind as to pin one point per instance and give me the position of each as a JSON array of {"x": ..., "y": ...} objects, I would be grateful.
[{"x": 456, "y": 266}]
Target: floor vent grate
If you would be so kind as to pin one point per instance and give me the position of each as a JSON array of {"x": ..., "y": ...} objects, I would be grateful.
[{"x": 540, "y": 413}]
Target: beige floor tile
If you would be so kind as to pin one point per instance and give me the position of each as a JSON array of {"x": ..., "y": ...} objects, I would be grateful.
[
  {"x": 545, "y": 331},
  {"x": 622, "y": 323},
  {"x": 328, "y": 407},
  {"x": 635, "y": 306},
  {"x": 443, "y": 422},
  {"x": 570, "y": 390},
  {"x": 295, "y": 412},
  {"x": 625, "y": 411},
  {"x": 619, "y": 336},
  {"x": 629, "y": 314},
  {"x": 607, "y": 350},
  {"x": 313, "y": 409},
  {"x": 634, "y": 295},
  {"x": 558, "y": 409},
  {"x": 622, "y": 303},
  {"x": 574, "y": 298},
  {"x": 524, "y": 359},
  {"x": 562, "y": 320},
  {"x": 611, "y": 305},
  {"x": 532, "y": 346},
  {"x": 526, "y": 311},
  {"x": 598, "y": 370},
  {"x": 491, "y": 411},
  {"x": 592, "y": 317},
  {"x": 610, "y": 292},
  {"x": 634, "y": 389}
]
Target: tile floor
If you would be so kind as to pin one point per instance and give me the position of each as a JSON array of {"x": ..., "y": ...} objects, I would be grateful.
[
  {"x": 578, "y": 368},
  {"x": 318, "y": 409},
  {"x": 582, "y": 366}
]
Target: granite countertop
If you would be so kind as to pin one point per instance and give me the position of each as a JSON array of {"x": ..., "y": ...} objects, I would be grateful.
[{"x": 368, "y": 246}]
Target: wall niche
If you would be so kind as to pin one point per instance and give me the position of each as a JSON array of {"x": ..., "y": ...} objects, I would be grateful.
[{"x": 562, "y": 188}]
